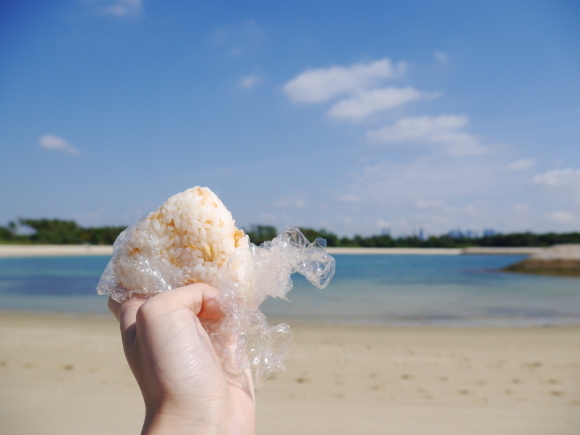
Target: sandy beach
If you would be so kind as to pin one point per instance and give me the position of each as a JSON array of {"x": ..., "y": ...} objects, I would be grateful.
[
  {"x": 76, "y": 250},
  {"x": 66, "y": 374},
  {"x": 53, "y": 250}
]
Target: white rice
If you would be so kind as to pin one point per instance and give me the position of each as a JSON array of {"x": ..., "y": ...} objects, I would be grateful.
[{"x": 188, "y": 239}]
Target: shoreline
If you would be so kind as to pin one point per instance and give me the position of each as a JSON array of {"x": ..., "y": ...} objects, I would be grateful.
[
  {"x": 491, "y": 324},
  {"x": 15, "y": 251},
  {"x": 19, "y": 251},
  {"x": 70, "y": 371}
]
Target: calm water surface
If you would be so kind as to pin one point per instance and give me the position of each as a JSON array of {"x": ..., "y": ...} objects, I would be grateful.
[{"x": 376, "y": 289}]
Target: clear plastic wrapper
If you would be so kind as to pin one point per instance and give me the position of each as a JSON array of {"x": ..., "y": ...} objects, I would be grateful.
[{"x": 192, "y": 238}]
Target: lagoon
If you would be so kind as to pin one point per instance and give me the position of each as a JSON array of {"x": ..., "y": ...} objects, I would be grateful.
[{"x": 419, "y": 290}]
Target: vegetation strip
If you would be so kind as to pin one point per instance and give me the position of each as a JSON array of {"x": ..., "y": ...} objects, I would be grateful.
[{"x": 61, "y": 232}]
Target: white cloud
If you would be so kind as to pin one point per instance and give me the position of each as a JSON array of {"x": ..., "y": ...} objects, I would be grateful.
[
  {"x": 367, "y": 102},
  {"x": 55, "y": 143},
  {"x": 521, "y": 207},
  {"x": 249, "y": 82},
  {"x": 118, "y": 8},
  {"x": 384, "y": 225},
  {"x": 440, "y": 56},
  {"x": 558, "y": 178},
  {"x": 435, "y": 193},
  {"x": 348, "y": 198},
  {"x": 323, "y": 84},
  {"x": 218, "y": 36},
  {"x": 239, "y": 40},
  {"x": 428, "y": 182},
  {"x": 476, "y": 208},
  {"x": 561, "y": 217},
  {"x": 345, "y": 220},
  {"x": 91, "y": 218},
  {"x": 521, "y": 164},
  {"x": 444, "y": 130},
  {"x": 290, "y": 203},
  {"x": 429, "y": 203},
  {"x": 268, "y": 218}
]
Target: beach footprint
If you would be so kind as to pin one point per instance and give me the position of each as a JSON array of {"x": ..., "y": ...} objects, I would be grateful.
[{"x": 302, "y": 380}]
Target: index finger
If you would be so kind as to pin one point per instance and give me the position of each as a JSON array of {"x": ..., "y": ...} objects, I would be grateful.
[
  {"x": 115, "y": 308},
  {"x": 199, "y": 298},
  {"x": 126, "y": 312}
]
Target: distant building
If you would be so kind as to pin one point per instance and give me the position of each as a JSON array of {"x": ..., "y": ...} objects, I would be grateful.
[
  {"x": 386, "y": 232},
  {"x": 455, "y": 234},
  {"x": 458, "y": 234},
  {"x": 489, "y": 233},
  {"x": 471, "y": 234},
  {"x": 421, "y": 234}
]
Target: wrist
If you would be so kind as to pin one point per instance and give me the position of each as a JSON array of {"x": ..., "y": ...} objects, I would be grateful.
[{"x": 161, "y": 423}]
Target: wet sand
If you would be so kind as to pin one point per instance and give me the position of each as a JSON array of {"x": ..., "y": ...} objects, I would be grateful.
[{"x": 66, "y": 374}]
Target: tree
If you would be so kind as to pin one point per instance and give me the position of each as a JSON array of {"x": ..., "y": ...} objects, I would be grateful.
[{"x": 259, "y": 234}]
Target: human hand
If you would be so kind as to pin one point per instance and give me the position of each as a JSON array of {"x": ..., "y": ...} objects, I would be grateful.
[{"x": 186, "y": 386}]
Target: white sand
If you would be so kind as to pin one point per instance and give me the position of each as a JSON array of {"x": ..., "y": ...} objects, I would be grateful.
[
  {"x": 73, "y": 250},
  {"x": 559, "y": 252},
  {"x": 53, "y": 250},
  {"x": 66, "y": 375}
]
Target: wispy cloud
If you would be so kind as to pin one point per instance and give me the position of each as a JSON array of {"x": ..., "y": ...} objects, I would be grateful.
[
  {"x": 219, "y": 36},
  {"x": 562, "y": 178},
  {"x": 521, "y": 164},
  {"x": 429, "y": 181},
  {"x": 117, "y": 8},
  {"x": 348, "y": 198},
  {"x": 435, "y": 193},
  {"x": 562, "y": 217},
  {"x": 91, "y": 217},
  {"x": 55, "y": 143},
  {"x": 324, "y": 84},
  {"x": 445, "y": 131},
  {"x": 384, "y": 225},
  {"x": 249, "y": 82},
  {"x": 290, "y": 202},
  {"x": 368, "y": 102},
  {"x": 238, "y": 40},
  {"x": 429, "y": 203},
  {"x": 519, "y": 207},
  {"x": 440, "y": 56}
]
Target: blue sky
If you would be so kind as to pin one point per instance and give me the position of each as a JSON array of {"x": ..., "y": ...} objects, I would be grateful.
[{"x": 355, "y": 116}]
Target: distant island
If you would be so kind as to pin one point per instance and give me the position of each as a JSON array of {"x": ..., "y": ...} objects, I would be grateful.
[{"x": 63, "y": 232}]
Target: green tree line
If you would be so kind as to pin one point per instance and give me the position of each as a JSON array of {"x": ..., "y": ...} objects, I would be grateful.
[
  {"x": 60, "y": 232},
  {"x": 261, "y": 233}
]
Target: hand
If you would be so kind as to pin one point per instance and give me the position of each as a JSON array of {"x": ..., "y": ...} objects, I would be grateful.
[{"x": 186, "y": 386}]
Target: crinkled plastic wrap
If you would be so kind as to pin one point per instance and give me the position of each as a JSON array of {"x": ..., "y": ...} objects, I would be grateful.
[
  {"x": 271, "y": 265},
  {"x": 145, "y": 262}
]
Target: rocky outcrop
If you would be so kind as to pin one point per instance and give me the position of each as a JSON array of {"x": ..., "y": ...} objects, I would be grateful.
[{"x": 555, "y": 260}]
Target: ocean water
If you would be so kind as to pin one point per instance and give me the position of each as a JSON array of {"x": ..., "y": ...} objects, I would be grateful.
[{"x": 369, "y": 289}]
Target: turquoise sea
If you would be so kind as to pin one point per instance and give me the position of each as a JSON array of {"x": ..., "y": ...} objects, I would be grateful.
[{"x": 371, "y": 289}]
